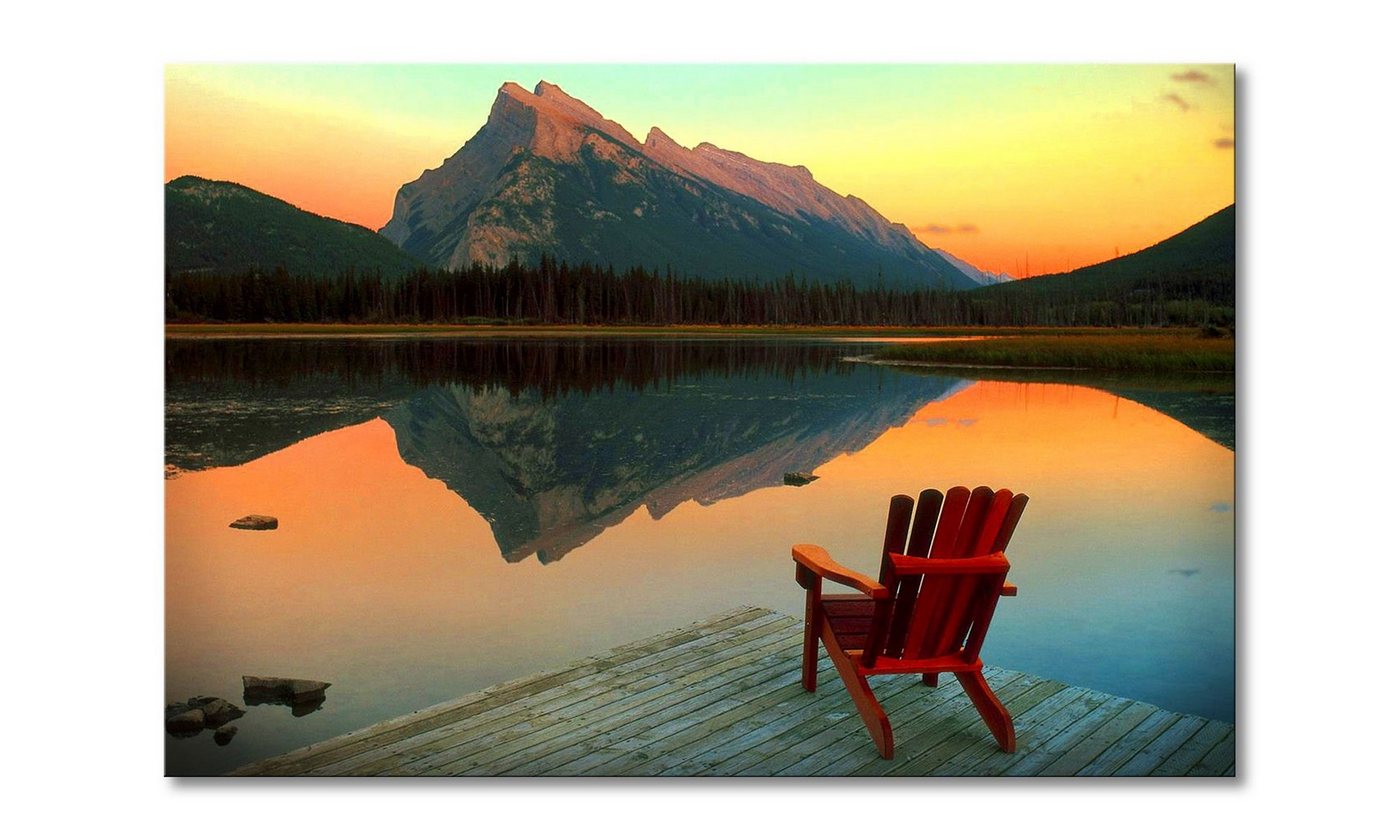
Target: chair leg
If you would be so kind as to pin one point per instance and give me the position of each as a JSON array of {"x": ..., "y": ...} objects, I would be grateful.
[
  {"x": 931, "y": 680},
  {"x": 876, "y": 721},
  {"x": 997, "y": 718},
  {"x": 810, "y": 633}
]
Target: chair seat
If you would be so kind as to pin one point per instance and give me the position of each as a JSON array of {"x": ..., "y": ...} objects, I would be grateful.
[{"x": 850, "y": 617}]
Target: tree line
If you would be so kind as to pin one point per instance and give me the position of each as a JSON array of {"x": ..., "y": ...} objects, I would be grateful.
[{"x": 554, "y": 292}]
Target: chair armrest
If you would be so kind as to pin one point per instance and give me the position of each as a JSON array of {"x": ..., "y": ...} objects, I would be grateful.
[
  {"x": 815, "y": 559},
  {"x": 906, "y": 565},
  {"x": 988, "y": 563}
]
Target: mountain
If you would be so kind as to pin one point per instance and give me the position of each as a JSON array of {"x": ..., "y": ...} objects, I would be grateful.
[
  {"x": 548, "y": 174},
  {"x": 1187, "y": 279},
  {"x": 1199, "y": 262},
  {"x": 975, "y": 274},
  {"x": 223, "y": 226}
]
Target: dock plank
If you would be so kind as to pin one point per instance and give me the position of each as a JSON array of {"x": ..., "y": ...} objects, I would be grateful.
[
  {"x": 1220, "y": 761},
  {"x": 1076, "y": 757},
  {"x": 583, "y": 691},
  {"x": 528, "y": 726},
  {"x": 973, "y": 738},
  {"x": 1148, "y": 758},
  {"x": 307, "y": 758},
  {"x": 803, "y": 735},
  {"x": 720, "y": 691},
  {"x": 646, "y": 739},
  {"x": 723, "y": 697},
  {"x": 1130, "y": 744},
  {"x": 1027, "y": 715},
  {"x": 1193, "y": 749}
]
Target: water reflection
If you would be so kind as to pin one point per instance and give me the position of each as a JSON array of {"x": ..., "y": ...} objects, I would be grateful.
[
  {"x": 230, "y": 401},
  {"x": 550, "y": 441},
  {"x": 551, "y": 474},
  {"x": 655, "y": 469}
]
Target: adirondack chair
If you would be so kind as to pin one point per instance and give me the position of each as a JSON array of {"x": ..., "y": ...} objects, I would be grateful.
[{"x": 929, "y": 611}]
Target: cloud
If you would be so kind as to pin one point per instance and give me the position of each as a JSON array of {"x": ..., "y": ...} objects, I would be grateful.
[
  {"x": 1224, "y": 143},
  {"x": 933, "y": 227},
  {"x": 1193, "y": 77},
  {"x": 1177, "y": 101}
]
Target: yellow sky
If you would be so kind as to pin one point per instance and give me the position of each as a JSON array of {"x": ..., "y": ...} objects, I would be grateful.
[{"x": 1006, "y": 166}]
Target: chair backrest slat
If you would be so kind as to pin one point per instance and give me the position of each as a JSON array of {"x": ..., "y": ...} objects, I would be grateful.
[
  {"x": 987, "y": 601},
  {"x": 991, "y": 524},
  {"x": 971, "y": 526},
  {"x": 943, "y": 614},
  {"x": 906, "y": 588},
  {"x": 979, "y": 531},
  {"x": 956, "y": 617},
  {"x": 896, "y": 529},
  {"x": 925, "y": 518},
  {"x": 896, "y": 537},
  {"x": 954, "y": 505},
  {"x": 1008, "y": 525}
]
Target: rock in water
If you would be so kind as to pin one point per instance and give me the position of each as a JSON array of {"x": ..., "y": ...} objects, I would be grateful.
[
  {"x": 797, "y": 479},
  {"x": 255, "y": 522},
  {"x": 224, "y": 734},
  {"x": 217, "y": 710},
  {"x": 184, "y": 723},
  {"x": 284, "y": 690}
]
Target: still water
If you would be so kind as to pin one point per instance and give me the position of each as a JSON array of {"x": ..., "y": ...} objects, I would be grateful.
[{"x": 458, "y": 513}]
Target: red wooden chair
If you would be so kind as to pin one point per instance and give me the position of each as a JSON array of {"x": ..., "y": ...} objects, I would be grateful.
[{"x": 929, "y": 611}]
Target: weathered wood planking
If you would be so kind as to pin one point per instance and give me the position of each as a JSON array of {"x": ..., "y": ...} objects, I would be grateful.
[{"x": 723, "y": 697}]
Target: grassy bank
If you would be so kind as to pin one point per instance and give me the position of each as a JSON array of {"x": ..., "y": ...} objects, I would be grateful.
[{"x": 1166, "y": 351}]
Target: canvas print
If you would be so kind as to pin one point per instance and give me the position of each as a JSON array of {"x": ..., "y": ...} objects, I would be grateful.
[{"x": 715, "y": 420}]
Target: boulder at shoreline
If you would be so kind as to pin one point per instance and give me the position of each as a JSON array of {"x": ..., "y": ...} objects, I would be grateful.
[
  {"x": 284, "y": 690},
  {"x": 183, "y": 722},
  {"x": 255, "y": 522},
  {"x": 224, "y": 734}
]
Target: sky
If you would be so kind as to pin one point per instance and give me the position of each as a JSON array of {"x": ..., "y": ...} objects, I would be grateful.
[{"x": 1024, "y": 169}]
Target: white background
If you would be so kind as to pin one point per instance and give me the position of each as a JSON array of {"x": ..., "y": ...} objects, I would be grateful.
[{"x": 82, "y": 417}]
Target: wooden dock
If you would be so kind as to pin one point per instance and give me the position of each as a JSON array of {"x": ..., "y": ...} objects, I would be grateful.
[{"x": 722, "y": 698}]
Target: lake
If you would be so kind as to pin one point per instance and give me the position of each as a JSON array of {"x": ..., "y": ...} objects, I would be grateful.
[{"x": 454, "y": 513}]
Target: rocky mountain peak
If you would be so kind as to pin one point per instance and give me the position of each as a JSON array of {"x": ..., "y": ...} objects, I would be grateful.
[
  {"x": 514, "y": 91},
  {"x": 557, "y": 122},
  {"x": 656, "y": 137},
  {"x": 588, "y": 190},
  {"x": 549, "y": 90}
]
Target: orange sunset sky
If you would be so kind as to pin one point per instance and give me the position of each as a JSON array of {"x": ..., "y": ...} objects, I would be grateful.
[{"x": 1025, "y": 169}]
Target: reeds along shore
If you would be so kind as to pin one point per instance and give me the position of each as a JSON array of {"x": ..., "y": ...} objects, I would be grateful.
[{"x": 1168, "y": 351}]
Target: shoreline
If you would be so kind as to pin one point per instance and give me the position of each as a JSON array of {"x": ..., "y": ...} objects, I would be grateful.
[
  {"x": 1179, "y": 352},
  {"x": 872, "y": 360}
]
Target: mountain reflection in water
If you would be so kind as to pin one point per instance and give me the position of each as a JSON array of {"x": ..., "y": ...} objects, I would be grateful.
[
  {"x": 550, "y": 474},
  {"x": 550, "y": 441}
]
